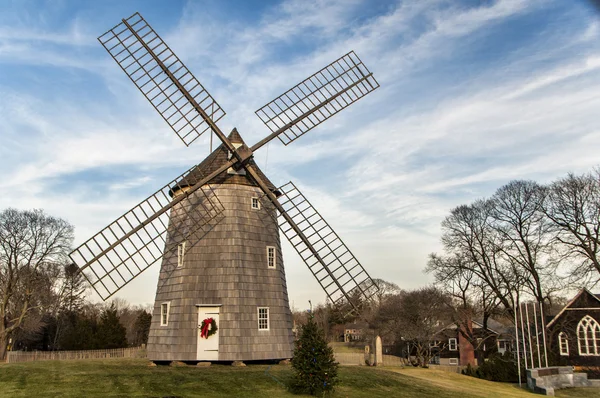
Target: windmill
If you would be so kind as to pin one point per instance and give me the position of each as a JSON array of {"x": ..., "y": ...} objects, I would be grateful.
[{"x": 222, "y": 293}]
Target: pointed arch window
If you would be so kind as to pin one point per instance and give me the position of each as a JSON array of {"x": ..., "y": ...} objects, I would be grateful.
[
  {"x": 588, "y": 336},
  {"x": 563, "y": 343}
]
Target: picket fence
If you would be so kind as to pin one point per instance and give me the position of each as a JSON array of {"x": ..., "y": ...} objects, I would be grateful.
[
  {"x": 28, "y": 356},
  {"x": 349, "y": 358},
  {"x": 343, "y": 358}
]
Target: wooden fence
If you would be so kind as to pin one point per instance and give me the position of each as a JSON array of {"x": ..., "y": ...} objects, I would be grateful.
[
  {"x": 350, "y": 358},
  {"x": 392, "y": 360},
  {"x": 27, "y": 356}
]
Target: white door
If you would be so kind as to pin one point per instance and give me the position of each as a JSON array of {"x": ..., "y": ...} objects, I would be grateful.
[{"x": 208, "y": 348}]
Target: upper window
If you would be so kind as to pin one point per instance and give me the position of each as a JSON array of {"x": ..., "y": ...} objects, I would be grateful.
[
  {"x": 563, "y": 343},
  {"x": 255, "y": 204},
  {"x": 164, "y": 314},
  {"x": 180, "y": 254},
  {"x": 452, "y": 345},
  {"x": 588, "y": 336},
  {"x": 263, "y": 318},
  {"x": 271, "y": 258}
]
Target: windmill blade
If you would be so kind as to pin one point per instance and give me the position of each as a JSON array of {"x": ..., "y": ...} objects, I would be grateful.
[
  {"x": 138, "y": 239},
  {"x": 331, "y": 262},
  {"x": 163, "y": 79},
  {"x": 317, "y": 98}
]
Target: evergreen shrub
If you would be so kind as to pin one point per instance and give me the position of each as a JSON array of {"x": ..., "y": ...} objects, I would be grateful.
[{"x": 313, "y": 365}]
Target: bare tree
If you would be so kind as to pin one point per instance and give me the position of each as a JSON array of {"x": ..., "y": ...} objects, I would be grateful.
[
  {"x": 385, "y": 289},
  {"x": 416, "y": 317},
  {"x": 524, "y": 237},
  {"x": 32, "y": 247},
  {"x": 469, "y": 233},
  {"x": 471, "y": 298},
  {"x": 573, "y": 207}
]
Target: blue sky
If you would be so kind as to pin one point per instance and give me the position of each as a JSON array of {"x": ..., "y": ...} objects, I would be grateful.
[{"x": 473, "y": 94}]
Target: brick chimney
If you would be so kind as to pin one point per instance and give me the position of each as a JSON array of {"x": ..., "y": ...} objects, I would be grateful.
[{"x": 466, "y": 350}]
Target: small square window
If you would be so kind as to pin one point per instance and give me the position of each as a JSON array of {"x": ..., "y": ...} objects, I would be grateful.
[
  {"x": 255, "y": 204},
  {"x": 452, "y": 345},
  {"x": 180, "y": 254},
  {"x": 263, "y": 318},
  {"x": 271, "y": 258},
  {"x": 453, "y": 361},
  {"x": 164, "y": 313}
]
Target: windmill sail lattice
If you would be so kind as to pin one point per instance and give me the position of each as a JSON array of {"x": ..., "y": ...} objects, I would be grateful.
[
  {"x": 159, "y": 74},
  {"x": 317, "y": 98},
  {"x": 138, "y": 239},
  {"x": 331, "y": 262}
]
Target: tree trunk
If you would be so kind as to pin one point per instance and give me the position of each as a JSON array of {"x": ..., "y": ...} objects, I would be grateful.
[{"x": 3, "y": 345}]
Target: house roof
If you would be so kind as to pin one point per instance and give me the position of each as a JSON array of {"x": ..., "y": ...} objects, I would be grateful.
[
  {"x": 477, "y": 325},
  {"x": 570, "y": 303},
  {"x": 217, "y": 159},
  {"x": 355, "y": 326}
]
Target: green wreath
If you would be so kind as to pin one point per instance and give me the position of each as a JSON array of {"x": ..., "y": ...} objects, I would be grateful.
[{"x": 208, "y": 327}]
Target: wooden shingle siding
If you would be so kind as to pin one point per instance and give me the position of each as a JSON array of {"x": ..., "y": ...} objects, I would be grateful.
[{"x": 228, "y": 267}]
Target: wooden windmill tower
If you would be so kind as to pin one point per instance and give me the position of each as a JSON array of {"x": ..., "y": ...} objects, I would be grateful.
[{"x": 222, "y": 291}]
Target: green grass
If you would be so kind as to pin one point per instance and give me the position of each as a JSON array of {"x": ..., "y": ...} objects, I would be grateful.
[
  {"x": 346, "y": 347},
  {"x": 134, "y": 378}
]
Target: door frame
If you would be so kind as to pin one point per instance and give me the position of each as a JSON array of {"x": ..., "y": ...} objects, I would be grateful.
[{"x": 214, "y": 354}]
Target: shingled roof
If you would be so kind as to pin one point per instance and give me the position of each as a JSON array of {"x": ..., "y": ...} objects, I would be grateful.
[{"x": 215, "y": 160}]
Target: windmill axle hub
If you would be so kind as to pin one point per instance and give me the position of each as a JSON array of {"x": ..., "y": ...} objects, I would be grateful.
[{"x": 243, "y": 154}]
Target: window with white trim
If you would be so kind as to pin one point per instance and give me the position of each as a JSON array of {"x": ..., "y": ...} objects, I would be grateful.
[
  {"x": 255, "y": 204},
  {"x": 452, "y": 344},
  {"x": 563, "y": 343},
  {"x": 263, "y": 318},
  {"x": 164, "y": 313},
  {"x": 271, "y": 257},
  {"x": 588, "y": 336},
  {"x": 453, "y": 361},
  {"x": 180, "y": 254}
]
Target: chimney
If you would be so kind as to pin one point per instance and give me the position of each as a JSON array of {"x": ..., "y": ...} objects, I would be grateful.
[{"x": 466, "y": 350}]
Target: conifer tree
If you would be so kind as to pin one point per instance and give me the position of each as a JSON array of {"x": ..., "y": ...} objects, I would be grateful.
[
  {"x": 111, "y": 333},
  {"x": 142, "y": 328},
  {"x": 314, "y": 366},
  {"x": 74, "y": 286}
]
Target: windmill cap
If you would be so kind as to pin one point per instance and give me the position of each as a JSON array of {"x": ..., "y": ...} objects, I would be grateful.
[{"x": 217, "y": 159}]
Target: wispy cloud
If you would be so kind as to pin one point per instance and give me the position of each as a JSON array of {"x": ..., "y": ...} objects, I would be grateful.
[{"x": 472, "y": 95}]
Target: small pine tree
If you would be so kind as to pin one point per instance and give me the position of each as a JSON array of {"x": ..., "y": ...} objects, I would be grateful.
[
  {"x": 142, "y": 328},
  {"x": 111, "y": 333},
  {"x": 314, "y": 366},
  {"x": 74, "y": 286}
]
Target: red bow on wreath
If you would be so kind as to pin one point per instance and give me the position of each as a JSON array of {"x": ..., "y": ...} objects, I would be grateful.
[{"x": 205, "y": 325}]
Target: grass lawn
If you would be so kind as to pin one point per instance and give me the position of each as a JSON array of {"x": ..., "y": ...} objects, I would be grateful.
[
  {"x": 345, "y": 347},
  {"x": 134, "y": 378},
  {"x": 482, "y": 388}
]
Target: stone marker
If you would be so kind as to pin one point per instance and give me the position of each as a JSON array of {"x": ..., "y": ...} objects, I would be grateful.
[{"x": 378, "y": 352}]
